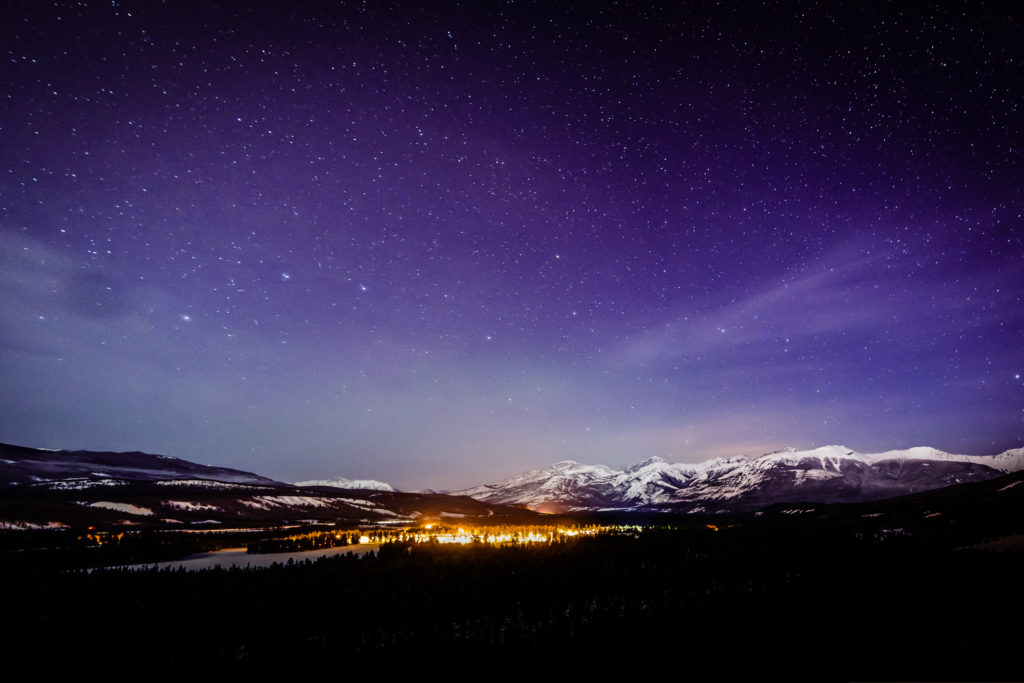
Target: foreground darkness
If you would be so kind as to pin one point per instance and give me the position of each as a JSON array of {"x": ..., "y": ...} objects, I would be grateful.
[{"x": 799, "y": 599}]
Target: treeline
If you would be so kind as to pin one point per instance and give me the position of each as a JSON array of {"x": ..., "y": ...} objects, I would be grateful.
[
  {"x": 42, "y": 552},
  {"x": 736, "y": 602},
  {"x": 314, "y": 540}
]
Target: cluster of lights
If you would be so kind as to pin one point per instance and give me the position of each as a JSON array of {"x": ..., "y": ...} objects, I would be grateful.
[
  {"x": 102, "y": 537},
  {"x": 436, "y": 533},
  {"x": 463, "y": 537}
]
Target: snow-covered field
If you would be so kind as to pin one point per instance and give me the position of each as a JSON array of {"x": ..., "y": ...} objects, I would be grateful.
[{"x": 120, "y": 507}]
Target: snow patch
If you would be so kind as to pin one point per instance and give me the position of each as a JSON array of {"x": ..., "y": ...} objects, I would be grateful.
[
  {"x": 188, "y": 506},
  {"x": 297, "y": 501},
  {"x": 801, "y": 476},
  {"x": 358, "y": 502},
  {"x": 202, "y": 483},
  {"x": 120, "y": 507},
  {"x": 16, "y": 526},
  {"x": 78, "y": 484}
]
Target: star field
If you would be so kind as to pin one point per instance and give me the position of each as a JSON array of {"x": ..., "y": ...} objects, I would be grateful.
[{"x": 439, "y": 243}]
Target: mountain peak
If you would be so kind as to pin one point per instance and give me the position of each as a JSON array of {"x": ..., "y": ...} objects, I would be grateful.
[
  {"x": 653, "y": 460},
  {"x": 562, "y": 464}
]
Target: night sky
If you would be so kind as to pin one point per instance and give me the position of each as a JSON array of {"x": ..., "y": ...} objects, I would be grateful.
[{"x": 440, "y": 243}]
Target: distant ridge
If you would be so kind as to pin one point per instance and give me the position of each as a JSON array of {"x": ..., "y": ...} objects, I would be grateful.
[
  {"x": 21, "y": 465},
  {"x": 342, "y": 483}
]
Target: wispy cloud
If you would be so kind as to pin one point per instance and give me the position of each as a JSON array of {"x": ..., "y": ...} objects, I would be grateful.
[{"x": 853, "y": 289}]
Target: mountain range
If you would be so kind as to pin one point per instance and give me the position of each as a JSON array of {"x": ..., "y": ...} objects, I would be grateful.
[
  {"x": 830, "y": 474},
  {"x": 41, "y": 488}
]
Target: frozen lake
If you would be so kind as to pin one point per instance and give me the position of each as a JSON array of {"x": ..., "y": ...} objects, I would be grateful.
[{"x": 237, "y": 557}]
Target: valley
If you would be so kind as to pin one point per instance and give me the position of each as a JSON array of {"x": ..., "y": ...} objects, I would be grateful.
[{"x": 290, "y": 589}]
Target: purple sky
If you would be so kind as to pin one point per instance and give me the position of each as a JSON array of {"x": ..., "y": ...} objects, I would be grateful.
[{"x": 438, "y": 244}]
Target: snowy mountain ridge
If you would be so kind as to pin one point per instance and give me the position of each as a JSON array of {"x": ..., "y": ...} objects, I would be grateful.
[
  {"x": 827, "y": 474},
  {"x": 343, "y": 483}
]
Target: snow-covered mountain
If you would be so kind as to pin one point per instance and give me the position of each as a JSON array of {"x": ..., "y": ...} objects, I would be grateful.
[
  {"x": 567, "y": 483},
  {"x": 342, "y": 483},
  {"x": 826, "y": 474}
]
